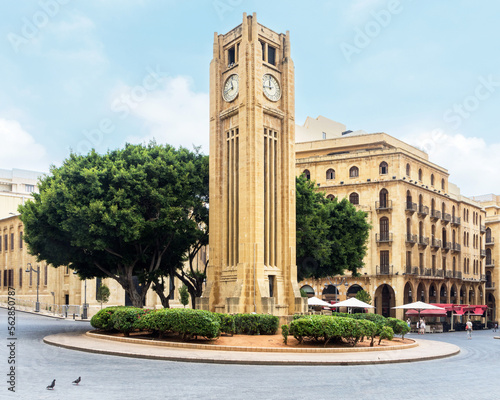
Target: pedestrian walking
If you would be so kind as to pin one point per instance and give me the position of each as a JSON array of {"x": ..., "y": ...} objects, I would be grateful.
[
  {"x": 468, "y": 328},
  {"x": 422, "y": 326},
  {"x": 495, "y": 326},
  {"x": 408, "y": 322}
]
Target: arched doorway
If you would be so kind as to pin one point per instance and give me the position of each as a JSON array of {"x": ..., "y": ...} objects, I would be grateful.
[
  {"x": 454, "y": 294},
  {"x": 433, "y": 294},
  {"x": 385, "y": 299},
  {"x": 384, "y": 198},
  {"x": 351, "y": 292},
  {"x": 308, "y": 290},
  {"x": 443, "y": 294},
  {"x": 421, "y": 292},
  {"x": 330, "y": 293},
  {"x": 491, "y": 303},
  {"x": 408, "y": 293}
]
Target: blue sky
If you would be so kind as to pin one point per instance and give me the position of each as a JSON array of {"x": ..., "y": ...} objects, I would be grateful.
[{"x": 99, "y": 73}]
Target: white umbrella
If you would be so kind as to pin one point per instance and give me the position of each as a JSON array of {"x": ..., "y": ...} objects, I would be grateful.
[
  {"x": 352, "y": 303},
  {"x": 314, "y": 301},
  {"x": 419, "y": 306}
]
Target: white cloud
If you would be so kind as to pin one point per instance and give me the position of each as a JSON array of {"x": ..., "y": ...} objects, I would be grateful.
[
  {"x": 19, "y": 149},
  {"x": 472, "y": 163},
  {"x": 174, "y": 114}
]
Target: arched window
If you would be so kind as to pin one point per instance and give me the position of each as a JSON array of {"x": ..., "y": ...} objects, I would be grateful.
[
  {"x": 354, "y": 198},
  {"x": 453, "y": 212},
  {"x": 408, "y": 170},
  {"x": 420, "y": 200},
  {"x": 465, "y": 238},
  {"x": 453, "y": 237},
  {"x": 442, "y": 183},
  {"x": 384, "y": 228},
  {"x": 488, "y": 235},
  {"x": 354, "y": 172},
  {"x": 443, "y": 209},
  {"x": 433, "y": 205},
  {"x": 432, "y": 179},
  {"x": 444, "y": 236},
  {"x": 384, "y": 198},
  {"x": 421, "y": 229},
  {"x": 488, "y": 256},
  {"x": 420, "y": 174},
  {"x": 408, "y": 226},
  {"x": 383, "y": 168},
  {"x": 307, "y": 174},
  {"x": 330, "y": 174},
  {"x": 330, "y": 197},
  {"x": 465, "y": 215},
  {"x": 308, "y": 290}
]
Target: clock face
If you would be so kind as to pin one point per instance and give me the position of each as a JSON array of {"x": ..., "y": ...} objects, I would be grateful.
[
  {"x": 231, "y": 88},
  {"x": 271, "y": 87}
]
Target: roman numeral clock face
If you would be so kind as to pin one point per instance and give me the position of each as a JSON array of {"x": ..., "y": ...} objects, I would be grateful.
[
  {"x": 231, "y": 88},
  {"x": 271, "y": 87}
]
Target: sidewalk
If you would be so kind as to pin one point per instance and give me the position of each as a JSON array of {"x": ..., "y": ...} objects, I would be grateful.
[
  {"x": 44, "y": 313},
  {"x": 426, "y": 350}
]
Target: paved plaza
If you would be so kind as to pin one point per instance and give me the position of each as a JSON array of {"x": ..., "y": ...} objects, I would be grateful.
[{"x": 473, "y": 373}]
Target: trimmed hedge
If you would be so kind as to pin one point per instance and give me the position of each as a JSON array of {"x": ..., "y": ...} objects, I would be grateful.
[
  {"x": 256, "y": 324},
  {"x": 102, "y": 320},
  {"x": 126, "y": 319}
]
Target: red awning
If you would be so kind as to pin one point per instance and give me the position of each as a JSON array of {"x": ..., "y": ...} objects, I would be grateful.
[{"x": 427, "y": 313}]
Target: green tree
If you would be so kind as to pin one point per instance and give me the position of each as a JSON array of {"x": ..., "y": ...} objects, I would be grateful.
[
  {"x": 363, "y": 295},
  {"x": 331, "y": 235},
  {"x": 129, "y": 214},
  {"x": 102, "y": 295},
  {"x": 184, "y": 295}
]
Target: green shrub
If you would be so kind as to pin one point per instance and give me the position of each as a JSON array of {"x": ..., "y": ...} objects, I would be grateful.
[
  {"x": 285, "y": 332},
  {"x": 125, "y": 319},
  {"x": 227, "y": 324},
  {"x": 399, "y": 327},
  {"x": 102, "y": 320},
  {"x": 256, "y": 324},
  {"x": 386, "y": 333}
]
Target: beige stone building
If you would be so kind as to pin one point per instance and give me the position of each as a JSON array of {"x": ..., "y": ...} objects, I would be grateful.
[
  {"x": 427, "y": 242},
  {"x": 252, "y": 199},
  {"x": 16, "y": 185},
  {"x": 491, "y": 204}
]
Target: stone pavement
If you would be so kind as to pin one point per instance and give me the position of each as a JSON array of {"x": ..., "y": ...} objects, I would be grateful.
[{"x": 425, "y": 350}]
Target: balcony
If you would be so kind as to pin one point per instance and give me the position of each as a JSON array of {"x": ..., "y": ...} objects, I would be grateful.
[
  {"x": 489, "y": 263},
  {"x": 483, "y": 253},
  {"x": 423, "y": 211},
  {"x": 490, "y": 285},
  {"x": 411, "y": 239},
  {"x": 483, "y": 278},
  {"x": 423, "y": 241},
  {"x": 449, "y": 274},
  {"x": 446, "y": 218},
  {"x": 383, "y": 237},
  {"x": 457, "y": 274},
  {"x": 446, "y": 246},
  {"x": 435, "y": 214},
  {"x": 456, "y": 247},
  {"x": 435, "y": 244},
  {"x": 411, "y": 207},
  {"x": 384, "y": 269},
  {"x": 411, "y": 270},
  {"x": 490, "y": 241},
  {"x": 427, "y": 272},
  {"x": 383, "y": 205},
  {"x": 482, "y": 228},
  {"x": 456, "y": 220},
  {"x": 440, "y": 273}
]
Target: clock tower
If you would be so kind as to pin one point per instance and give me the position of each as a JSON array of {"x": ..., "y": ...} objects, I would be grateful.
[{"x": 252, "y": 264}]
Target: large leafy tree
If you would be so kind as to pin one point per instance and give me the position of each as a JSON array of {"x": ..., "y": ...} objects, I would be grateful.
[
  {"x": 129, "y": 214},
  {"x": 331, "y": 235}
]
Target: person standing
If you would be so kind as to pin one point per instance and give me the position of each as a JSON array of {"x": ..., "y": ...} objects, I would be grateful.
[
  {"x": 408, "y": 322},
  {"x": 422, "y": 325},
  {"x": 468, "y": 328}
]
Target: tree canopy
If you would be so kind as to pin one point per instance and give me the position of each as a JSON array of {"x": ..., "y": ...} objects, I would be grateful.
[
  {"x": 130, "y": 214},
  {"x": 331, "y": 234}
]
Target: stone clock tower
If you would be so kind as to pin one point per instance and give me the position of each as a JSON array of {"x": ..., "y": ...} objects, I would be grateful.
[{"x": 252, "y": 183}]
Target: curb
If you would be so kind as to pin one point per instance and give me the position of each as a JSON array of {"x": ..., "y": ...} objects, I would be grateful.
[{"x": 48, "y": 315}]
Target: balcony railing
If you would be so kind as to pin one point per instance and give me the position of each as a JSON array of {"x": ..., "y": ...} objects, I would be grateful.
[
  {"x": 457, "y": 274},
  {"x": 384, "y": 269},
  {"x": 446, "y": 218},
  {"x": 436, "y": 243},
  {"x": 446, "y": 246},
  {"x": 482, "y": 228},
  {"x": 411, "y": 270},
  {"x": 483, "y": 277},
  {"x": 428, "y": 272},
  {"x": 435, "y": 214},
  {"x": 490, "y": 285},
  {"x": 489, "y": 263},
  {"x": 490, "y": 241},
  {"x": 423, "y": 210},
  {"x": 449, "y": 274},
  {"x": 423, "y": 241},
  {"x": 456, "y": 220},
  {"x": 483, "y": 253},
  {"x": 411, "y": 207},
  {"x": 411, "y": 238},
  {"x": 383, "y": 237},
  {"x": 456, "y": 247},
  {"x": 383, "y": 205},
  {"x": 440, "y": 273}
]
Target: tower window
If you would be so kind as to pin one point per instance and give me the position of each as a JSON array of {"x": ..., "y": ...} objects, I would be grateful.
[
  {"x": 271, "y": 55},
  {"x": 354, "y": 198},
  {"x": 307, "y": 174},
  {"x": 324, "y": 135},
  {"x": 383, "y": 168},
  {"x": 231, "y": 56},
  {"x": 330, "y": 174},
  {"x": 354, "y": 172}
]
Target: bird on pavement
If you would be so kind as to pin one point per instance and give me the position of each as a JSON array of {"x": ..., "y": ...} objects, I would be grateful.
[
  {"x": 77, "y": 381},
  {"x": 51, "y": 386}
]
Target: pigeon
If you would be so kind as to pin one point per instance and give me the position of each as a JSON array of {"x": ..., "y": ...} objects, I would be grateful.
[
  {"x": 51, "y": 386},
  {"x": 77, "y": 381}
]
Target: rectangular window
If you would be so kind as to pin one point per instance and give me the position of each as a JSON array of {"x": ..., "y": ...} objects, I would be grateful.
[
  {"x": 231, "y": 56},
  {"x": 263, "y": 51},
  {"x": 66, "y": 270},
  {"x": 5, "y": 278},
  {"x": 6, "y": 242},
  {"x": 30, "y": 188},
  {"x": 384, "y": 258},
  {"x": 20, "y": 240},
  {"x": 12, "y": 241},
  {"x": 324, "y": 135},
  {"x": 20, "y": 277},
  {"x": 408, "y": 258},
  {"x": 11, "y": 277},
  {"x": 271, "y": 55}
]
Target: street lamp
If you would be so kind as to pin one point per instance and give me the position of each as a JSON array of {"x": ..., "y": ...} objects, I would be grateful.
[
  {"x": 37, "y": 271},
  {"x": 85, "y": 305}
]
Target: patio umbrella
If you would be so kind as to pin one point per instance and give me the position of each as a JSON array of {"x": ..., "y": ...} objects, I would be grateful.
[
  {"x": 352, "y": 303},
  {"x": 314, "y": 301},
  {"x": 419, "y": 306}
]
